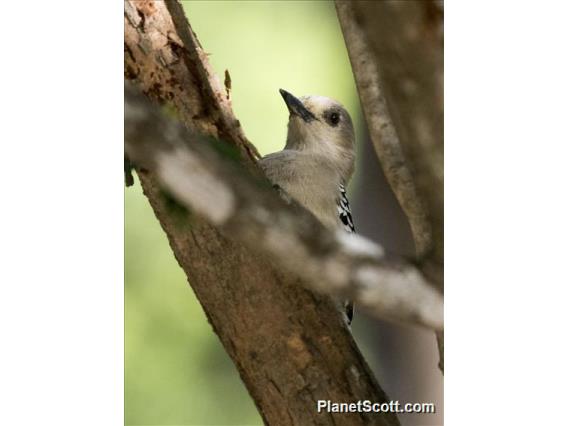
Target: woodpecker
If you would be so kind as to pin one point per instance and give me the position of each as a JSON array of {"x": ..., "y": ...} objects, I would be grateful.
[{"x": 317, "y": 162}]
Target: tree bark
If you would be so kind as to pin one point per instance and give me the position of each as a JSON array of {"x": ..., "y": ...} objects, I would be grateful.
[
  {"x": 381, "y": 129},
  {"x": 287, "y": 343},
  {"x": 403, "y": 41}
]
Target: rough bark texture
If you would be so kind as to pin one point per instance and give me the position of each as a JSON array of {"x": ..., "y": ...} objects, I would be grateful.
[
  {"x": 405, "y": 45},
  {"x": 288, "y": 344},
  {"x": 346, "y": 266}
]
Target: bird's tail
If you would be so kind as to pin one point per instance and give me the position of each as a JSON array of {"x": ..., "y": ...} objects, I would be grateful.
[{"x": 348, "y": 305}]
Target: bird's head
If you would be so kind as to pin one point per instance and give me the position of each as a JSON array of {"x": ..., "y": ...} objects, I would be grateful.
[{"x": 323, "y": 126}]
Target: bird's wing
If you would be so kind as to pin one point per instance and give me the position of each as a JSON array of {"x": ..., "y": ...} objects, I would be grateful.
[
  {"x": 347, "y": 220},
  {"x": 344, "y": 210}
]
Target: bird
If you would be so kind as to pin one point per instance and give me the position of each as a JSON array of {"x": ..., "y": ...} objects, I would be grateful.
[{"x": 317, "y": 163}]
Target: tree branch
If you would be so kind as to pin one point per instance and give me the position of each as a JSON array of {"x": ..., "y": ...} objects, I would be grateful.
[
  {"x": 381, "y": 130},
  {"x": 398, "y": 46},
  {"x": 405, "y": 45},
  {"x": 338, "y": 264}
]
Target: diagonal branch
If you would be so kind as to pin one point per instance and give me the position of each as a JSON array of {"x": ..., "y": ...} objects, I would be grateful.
[
  {"x": 381, "y": 129},
  {"x": 404, "y": 43},
  {"x": 338, "y": 264},
  {"x": 397, "y": 48}
]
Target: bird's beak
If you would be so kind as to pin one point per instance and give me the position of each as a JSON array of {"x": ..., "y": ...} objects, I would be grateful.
[{"x": 296, "y": 107}]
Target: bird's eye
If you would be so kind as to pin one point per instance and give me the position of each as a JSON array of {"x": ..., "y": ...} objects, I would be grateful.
[{"x": 334, "y": 118}]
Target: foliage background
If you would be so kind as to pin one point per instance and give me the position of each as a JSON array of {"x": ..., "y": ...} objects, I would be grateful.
[{"x": 176, "y": 371}]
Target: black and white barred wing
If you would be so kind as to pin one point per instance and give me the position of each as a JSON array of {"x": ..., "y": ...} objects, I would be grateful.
[
  {"x": 344, "y": 210},
  {"x": 345, "y": 215}
]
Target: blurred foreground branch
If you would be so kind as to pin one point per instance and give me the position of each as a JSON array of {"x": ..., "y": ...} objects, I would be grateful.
[
  {"x": 338, "y": 264},
  {"x": 396, "y": 50}
]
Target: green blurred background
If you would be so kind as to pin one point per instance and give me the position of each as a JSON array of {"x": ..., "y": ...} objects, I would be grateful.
[{"x": 176, "y": 371}]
